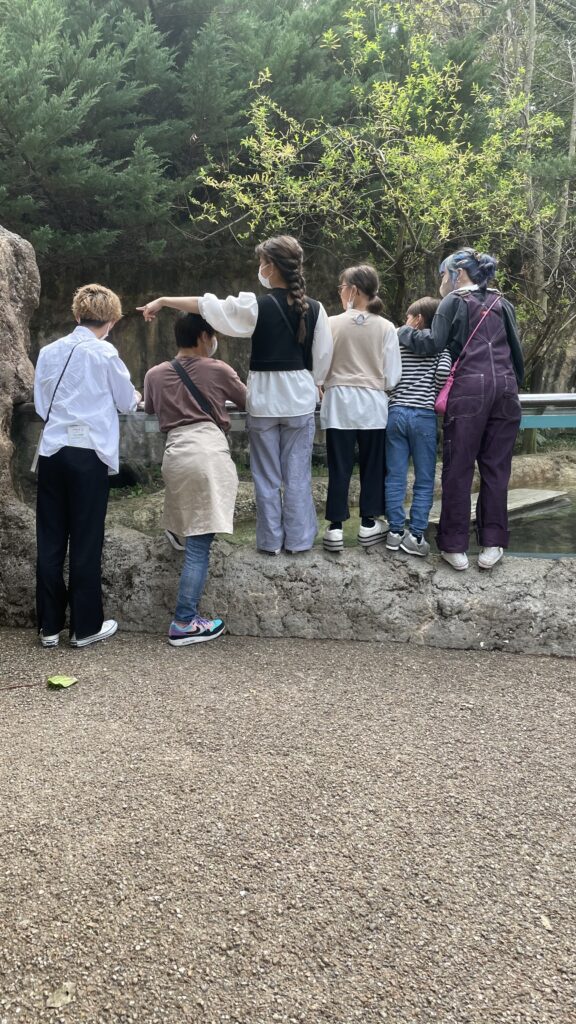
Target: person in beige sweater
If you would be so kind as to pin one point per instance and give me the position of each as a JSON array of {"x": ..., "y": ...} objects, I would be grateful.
[{"x": 365, "y": 365}]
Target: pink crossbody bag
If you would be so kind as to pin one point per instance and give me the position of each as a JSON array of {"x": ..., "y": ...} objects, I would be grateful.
[{"x": 444, "y": 393}]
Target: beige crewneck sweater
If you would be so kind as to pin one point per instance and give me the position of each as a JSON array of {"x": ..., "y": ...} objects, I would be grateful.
[{"x": 361, "y": 344}]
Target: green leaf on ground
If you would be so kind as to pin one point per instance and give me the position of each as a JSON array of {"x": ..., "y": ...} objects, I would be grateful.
[{"x": 61, "y": 682}]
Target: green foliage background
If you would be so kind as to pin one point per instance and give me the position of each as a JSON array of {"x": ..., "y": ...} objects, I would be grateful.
[{"x": 138, "y": 135}]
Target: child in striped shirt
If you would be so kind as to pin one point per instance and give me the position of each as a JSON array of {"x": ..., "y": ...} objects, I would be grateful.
[{"x": 411, "y": 430}]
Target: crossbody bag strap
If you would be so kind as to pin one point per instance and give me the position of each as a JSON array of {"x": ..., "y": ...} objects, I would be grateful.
[
  {"x": 283, "y": 315},
  {"x": 203, "y": 402},
  {"x": 479, "y": 324},
  {"x": 58, "y": 382}
]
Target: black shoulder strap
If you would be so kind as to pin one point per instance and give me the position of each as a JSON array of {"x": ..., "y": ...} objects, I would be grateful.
[
  {"x": 58, "y": 382},
  {"x": 283, "y": 315},
  {"x": 203, "y": 402}
]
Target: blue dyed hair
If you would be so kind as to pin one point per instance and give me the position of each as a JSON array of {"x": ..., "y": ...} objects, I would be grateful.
[{"x": 479, "y": 266}]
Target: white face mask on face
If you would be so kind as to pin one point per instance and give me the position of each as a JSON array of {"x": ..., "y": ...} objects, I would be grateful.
[
  {"x": 213, "y": 347},
  {"x": 104, "y": 336},
  {"x": 264, "y": 281}
]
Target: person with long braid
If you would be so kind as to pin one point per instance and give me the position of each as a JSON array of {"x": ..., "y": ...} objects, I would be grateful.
[{"x": 291, "y": 354}]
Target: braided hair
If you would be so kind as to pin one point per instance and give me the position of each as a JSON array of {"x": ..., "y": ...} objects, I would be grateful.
[{"x": 286, "y": 254}]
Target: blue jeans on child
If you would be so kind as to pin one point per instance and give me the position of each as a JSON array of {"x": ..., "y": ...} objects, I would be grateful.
[
  {"x": 193, "y": 576},
  {"x": 410, "y": 432}
]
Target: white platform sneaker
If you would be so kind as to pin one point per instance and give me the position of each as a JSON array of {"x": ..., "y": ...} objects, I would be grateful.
[
  {"x": 333, "y": 540},
  {"x": 369, "y": 535}
]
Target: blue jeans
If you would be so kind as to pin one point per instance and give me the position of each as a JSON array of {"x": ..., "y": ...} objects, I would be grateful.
[
  {"x": 410, "y": 432},
  {"x": 193, "y": 576}
]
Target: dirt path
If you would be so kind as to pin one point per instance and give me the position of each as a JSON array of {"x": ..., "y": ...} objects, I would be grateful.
[{"x": 256, "y": 831}]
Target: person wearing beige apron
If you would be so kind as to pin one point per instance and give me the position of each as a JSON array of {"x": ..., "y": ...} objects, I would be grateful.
[{"x": 189, "y": 395}]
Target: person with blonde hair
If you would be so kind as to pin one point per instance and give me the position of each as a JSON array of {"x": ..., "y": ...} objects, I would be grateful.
[{"x": 80, "y": 386}]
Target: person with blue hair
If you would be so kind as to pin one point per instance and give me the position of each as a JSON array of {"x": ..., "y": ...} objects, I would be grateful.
[{"x": 478, "y": 327}]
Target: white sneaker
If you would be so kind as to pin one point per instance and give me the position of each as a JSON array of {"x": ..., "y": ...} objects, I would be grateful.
[
  {"x": 333, "y": 540},
  {"x": 49, "y": 641},
  {"x": 109, "y": 627},
  {"x": 457, "y": 560},
  {"x": 488, "y": 557},
  {"x": 368, "y": 535}
]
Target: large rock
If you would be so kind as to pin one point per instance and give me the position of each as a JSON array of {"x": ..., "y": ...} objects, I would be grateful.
[{"x": 19, "y": 293}]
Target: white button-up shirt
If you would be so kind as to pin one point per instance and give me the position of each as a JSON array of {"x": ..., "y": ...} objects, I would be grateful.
[{"x": 96, "y": 386}]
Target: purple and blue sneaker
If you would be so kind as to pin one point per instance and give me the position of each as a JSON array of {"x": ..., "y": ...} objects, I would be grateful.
[{"x": 197, "y": 630}]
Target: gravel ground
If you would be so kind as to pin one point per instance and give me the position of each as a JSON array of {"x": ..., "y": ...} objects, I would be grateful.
[{"x": 257, "y": 831}]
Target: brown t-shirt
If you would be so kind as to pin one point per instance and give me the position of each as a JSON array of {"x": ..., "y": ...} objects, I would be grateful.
[{"x": 166, "y": 395}]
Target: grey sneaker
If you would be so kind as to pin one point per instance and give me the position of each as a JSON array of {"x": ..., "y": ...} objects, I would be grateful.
[
  {"x": 394, "y": 540},
  {"x": 415, "y": 547}
]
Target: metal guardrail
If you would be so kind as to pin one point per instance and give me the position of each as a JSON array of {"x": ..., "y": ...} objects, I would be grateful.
[
  {"x": 548, "y": 411},
  {"x": 543, "y": 411}
]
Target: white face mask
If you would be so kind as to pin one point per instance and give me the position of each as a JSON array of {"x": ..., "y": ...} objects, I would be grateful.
[
  {"x": 104, "y": 336},
  {"x": 213, "y": 347},
  {"x": 264, "y": 281}
]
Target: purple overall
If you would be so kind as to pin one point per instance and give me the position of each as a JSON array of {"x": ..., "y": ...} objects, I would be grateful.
[{"x": 480, "y": 425}]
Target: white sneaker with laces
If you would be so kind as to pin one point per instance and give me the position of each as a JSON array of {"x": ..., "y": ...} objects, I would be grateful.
[
  {"x": 49, "y": 641},
  {"x": 109, "y": 627},
  {"x": 489, "y": 557},
  {"x": 458, "y": 560},
  {"x": 333, "y": 540},
  {"x": 368, "y": 535}
]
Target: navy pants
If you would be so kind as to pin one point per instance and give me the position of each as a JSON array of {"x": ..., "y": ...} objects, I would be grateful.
[
  {"x": 340, "y": 449},
  {"x": 70, "y": 513},
  {"x": 480, "y": 425}
]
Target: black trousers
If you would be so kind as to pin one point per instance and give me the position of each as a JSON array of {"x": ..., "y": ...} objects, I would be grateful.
[
  {"x": 340, "y": 448},
  {"x": 70, "y": 511}
]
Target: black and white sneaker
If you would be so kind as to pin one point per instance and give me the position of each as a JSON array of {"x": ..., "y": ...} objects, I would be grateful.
[
  {"x": 369, "y": 535},
  {"x": 333, "y": 540}
]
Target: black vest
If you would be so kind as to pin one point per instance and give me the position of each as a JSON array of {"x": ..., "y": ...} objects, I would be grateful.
[{"x": 275, "y": 345}]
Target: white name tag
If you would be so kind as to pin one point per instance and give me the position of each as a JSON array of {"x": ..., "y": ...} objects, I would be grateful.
[{"x": 78, "y": 435}]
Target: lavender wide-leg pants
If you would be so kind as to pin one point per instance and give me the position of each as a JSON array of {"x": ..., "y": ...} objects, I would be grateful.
[
  {"x": 281, "y": 466},
  {"x": 479, "y": 426}
]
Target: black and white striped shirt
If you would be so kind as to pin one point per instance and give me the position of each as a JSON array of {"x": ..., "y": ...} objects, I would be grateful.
[{"x": 422, "y": 375}]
